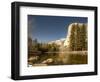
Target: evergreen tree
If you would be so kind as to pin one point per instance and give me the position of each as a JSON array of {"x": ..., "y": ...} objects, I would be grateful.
[{"x": 72, "y": 38}]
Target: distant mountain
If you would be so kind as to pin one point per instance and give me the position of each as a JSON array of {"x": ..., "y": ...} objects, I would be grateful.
[{"x": 58, "y": 42}]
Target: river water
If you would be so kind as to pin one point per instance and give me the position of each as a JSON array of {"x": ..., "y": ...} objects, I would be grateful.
[{"x": 60, "y": 58}]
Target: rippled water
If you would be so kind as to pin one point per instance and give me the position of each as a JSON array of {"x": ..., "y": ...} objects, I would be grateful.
[{"x": 60, "y": 59}]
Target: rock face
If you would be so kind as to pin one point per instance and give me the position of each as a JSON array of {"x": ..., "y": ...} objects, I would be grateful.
[
  {"x": 76, "y": 39},
  {"x": 58, "y": 42}
]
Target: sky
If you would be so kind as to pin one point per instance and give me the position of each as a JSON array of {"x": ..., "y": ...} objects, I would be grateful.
[{"x": 50, "y": 28}]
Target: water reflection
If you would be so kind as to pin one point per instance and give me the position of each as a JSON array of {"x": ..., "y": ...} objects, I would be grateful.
[{"x": 58, "y": 58}]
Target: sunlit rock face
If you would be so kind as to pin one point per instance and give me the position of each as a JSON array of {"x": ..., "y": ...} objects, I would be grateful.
[
  {"x": 67, "y": 43},
  {"x": 77, "y": 35},
  {"x": 58, "y": 42}
]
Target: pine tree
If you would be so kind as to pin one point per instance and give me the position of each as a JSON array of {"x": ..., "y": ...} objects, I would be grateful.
[
  {"x": 84, "y": 37},
  {"x": 72, "y": 38},
  {"x": 78, "y": 37}
]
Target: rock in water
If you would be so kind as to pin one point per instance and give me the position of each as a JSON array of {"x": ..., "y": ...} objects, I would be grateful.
[{"x": 47, "y": 61}]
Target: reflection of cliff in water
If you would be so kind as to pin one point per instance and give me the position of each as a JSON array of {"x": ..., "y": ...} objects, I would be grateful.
[{"x": 63, "y": 58}]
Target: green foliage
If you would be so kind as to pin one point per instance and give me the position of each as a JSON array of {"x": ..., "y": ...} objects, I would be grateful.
[{"x": 43, "y": 47}]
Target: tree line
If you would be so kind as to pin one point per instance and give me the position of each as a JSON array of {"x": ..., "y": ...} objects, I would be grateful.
[{"x": 34, "y": 45}]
